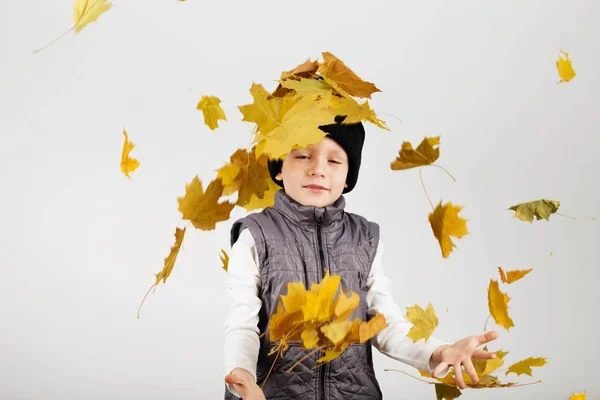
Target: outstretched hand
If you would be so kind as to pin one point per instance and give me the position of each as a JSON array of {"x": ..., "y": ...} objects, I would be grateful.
[{"x": 460, "y": 353}]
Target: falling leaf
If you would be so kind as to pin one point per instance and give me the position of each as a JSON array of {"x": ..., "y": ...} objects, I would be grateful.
[
  {"x": 170, "y": 259},
  {"x": 128, "y": 164},
  {"x": 445, "y": 392},
  {"x": 564, "y": 67},
  {"x": 578, "y": 396},
  {"x": 245, "y": 174},
  {"x": 224, "y": 259},
  {"x": 445, "y": 222},
  {"x": 212, "y": 111},
  {"x": 538, "y": 208},
  {"x": 524, "y": 366},
  {"x": 424, "y": 322},
  {"x": 86, "y": 11},
  {"x": 513, "y": 276},
  {"x": 169, "y": 263},
  {"x": 202, "y": 208},
  {"x": 343, "y": 79},
  {"x": 498, "y": 305},
  {"x": 425, "y": 154}
]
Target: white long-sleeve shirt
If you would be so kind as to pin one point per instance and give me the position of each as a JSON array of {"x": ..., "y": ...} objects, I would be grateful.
[{"x": 241, "y": 326}]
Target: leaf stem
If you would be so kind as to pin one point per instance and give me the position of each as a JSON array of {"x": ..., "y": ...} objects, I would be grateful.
[
  {"x": 140, "y": 307},
  {"x": 486, "y": 321},
  {"x": 426, "y": 194},
  {"x": 581, "y": 219},
  {"x": 446, "y": 171},
  {"x": 52, "y": 42},
  {"x": 406, "y": 373}
]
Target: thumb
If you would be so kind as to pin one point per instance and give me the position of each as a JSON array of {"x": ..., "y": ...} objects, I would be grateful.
[{"x": 239, "y": 385}]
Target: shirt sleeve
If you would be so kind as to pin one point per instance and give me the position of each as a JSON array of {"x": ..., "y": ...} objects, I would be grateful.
[
  {"x": 241, "y": 325},
  {"x": 392, "y": 341}
]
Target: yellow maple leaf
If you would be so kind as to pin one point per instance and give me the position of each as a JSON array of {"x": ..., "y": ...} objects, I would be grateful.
[
  {"x": 85, "y": 12},
  {"x": 128, "y": 164},
  {"x": 306, "y": 87},
  {"x": 343, "y": 79},
  {"x": 564, "y": 67},
  {"x": 265, "y": 110},
  {"x": 319, "y": 303},
  {"x": 445, "y": 222},
  {"x": 202, "y": 208},
  {"x": 513, "y": 276},
  {"x": 424, "y": 322},
  {"x": 578, "y": 396},
  {"x": 245, "y": 174},
  {"x": 224, "y": 259},
  {"x": 524, "y": 366},
  {"x": 310, "y": 337},
  {"x": 307, "y": 69},
  {"x": 169, "y": 263},
  {"x": 170, "y": 259},
  {"x": 299, "y": 127},
  {"x": 498, "y": 305},
  {"x": 345, "y": 304},
  {"x": 538, "y": 209},
  {"x": 426, "y": 153},
  {"x": 267, "y": 200},
  {"x": 211, "y": 110},
  {"x": 354, "y": 111},
  {"x": 337, "y": 330},
  {"x": 445, "y": 392},
  {"x": 372, "y": 327}
]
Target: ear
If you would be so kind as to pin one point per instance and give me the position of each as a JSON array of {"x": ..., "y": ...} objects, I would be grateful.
[
  {"x": 345, "y": 185},
  {"x": 278, "y": 176}
]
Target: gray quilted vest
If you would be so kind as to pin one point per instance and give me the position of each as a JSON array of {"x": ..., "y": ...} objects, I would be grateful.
[{"x": 296, "y": 243}]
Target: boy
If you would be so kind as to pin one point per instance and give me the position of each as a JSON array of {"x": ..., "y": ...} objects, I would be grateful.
[{"x": 305, "y": 232}]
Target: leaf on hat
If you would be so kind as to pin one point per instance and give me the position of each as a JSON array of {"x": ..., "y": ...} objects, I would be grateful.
[
  {"x": 298, "y": 127},
  {"x": 266, "y": 110},
  {"x": 245, "y": 174},
  {"x": 343, "y": 79},
  {"x": 354, "y": 111},
  {"x": 425, "y": 154},
  {"x": 202, "y": 208},
  {"x": 564, "y": 67},
  {"x": 128, "y": 164},
  {"x": 307, "y": 69},
  {"x": 445, "y": 222},
  {"x": 307, "y": 87},
  {"x": 211, "y": 110}
]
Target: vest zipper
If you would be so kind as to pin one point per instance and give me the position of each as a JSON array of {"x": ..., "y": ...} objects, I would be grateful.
[{"x": 322, "y": 368}]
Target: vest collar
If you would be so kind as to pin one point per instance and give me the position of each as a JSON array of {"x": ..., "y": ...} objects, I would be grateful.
[{"x": 308, "y": 215}]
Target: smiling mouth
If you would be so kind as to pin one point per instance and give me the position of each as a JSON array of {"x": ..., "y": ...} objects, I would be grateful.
[{"x": 315, "y": 188}]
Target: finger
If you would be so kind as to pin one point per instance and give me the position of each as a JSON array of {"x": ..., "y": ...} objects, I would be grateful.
[
  {"x": 487, "y": 337},
  {"x": 479, "y": 353},
  {"x": 438, "y": 370},
  {"x": 458, "y": 376},
  {"x": 471, "y": 371}
]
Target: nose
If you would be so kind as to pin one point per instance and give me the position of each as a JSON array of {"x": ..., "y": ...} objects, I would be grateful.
[{"x": 317, "y": 167}]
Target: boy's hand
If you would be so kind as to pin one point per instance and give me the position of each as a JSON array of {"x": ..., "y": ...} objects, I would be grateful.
[
  {"x": 243, "y": 383},
  {"x": 460, "y": 353}
]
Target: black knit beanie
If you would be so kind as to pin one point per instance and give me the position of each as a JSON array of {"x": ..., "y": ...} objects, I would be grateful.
[{"x": 349, "y": 136}]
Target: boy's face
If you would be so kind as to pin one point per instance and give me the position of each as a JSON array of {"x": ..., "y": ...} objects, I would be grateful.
[{"x": 315, "y": 175}]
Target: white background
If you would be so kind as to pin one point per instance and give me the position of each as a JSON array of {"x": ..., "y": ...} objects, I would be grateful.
[{"x": 80, "y": 243}]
